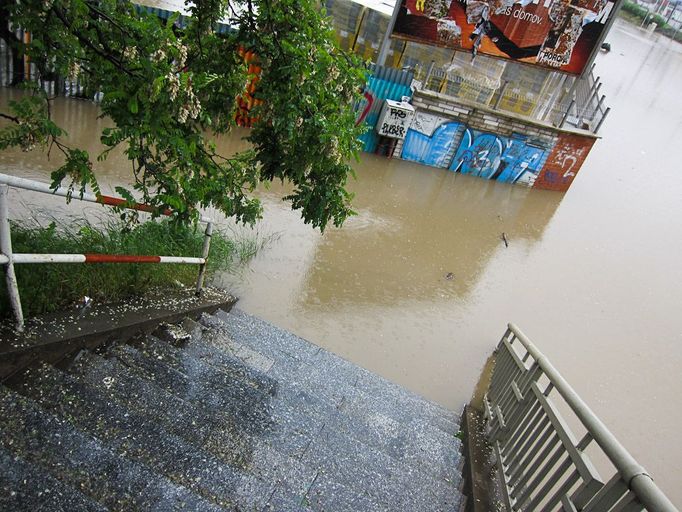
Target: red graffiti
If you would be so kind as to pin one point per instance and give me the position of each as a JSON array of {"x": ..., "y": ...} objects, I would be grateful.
[{"x": 370, "y": 102}]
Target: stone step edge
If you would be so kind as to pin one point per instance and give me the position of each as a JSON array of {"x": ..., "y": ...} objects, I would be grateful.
[{"x": 105, "y": 324}]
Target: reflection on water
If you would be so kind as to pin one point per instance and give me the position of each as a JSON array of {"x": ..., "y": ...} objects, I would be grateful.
[
  {"x": 421, "y": 235},
  {"x": 591, "y": 276}
]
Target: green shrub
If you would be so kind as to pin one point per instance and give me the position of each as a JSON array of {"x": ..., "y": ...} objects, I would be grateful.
[
  {"x": 636, "y": 14},
  {"x": 635, "y": 9}
]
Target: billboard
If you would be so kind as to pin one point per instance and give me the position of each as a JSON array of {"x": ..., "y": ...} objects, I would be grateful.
[{"x": 556, "y": 34}]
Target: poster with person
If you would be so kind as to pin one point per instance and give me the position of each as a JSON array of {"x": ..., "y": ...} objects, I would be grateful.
[{"x": 556, "y": 34}]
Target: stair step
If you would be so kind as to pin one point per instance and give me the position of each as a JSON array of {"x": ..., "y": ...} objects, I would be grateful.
[
  {"x": 287, "y": 422},
  {"x": 376, "y": 412},
  {"x": 323, "y": 495},
  {"x": 292, "y": 400},
  {"x": 137, "y": 437},
  {"x": 24, "y": 487},
  {"x": 237, "y": 365},
  {"x": 230, "y": 360},
  {"x": 78, "y": 461},
  {"x": 409, "y": 444},
  {"x": 196, "y": 382},
  {"x": 214, "y": 432},
  {"x": 327, "y": 372},
  {"x": 366, "y": 472}
]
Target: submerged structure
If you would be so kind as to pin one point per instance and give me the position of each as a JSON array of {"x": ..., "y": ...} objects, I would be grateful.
[{"x": 501, "y": 90}]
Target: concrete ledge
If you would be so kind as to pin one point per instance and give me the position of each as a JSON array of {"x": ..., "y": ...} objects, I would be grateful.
[
  {"x": 479, "y": 471},
  {"x": 52, "y": 337}
]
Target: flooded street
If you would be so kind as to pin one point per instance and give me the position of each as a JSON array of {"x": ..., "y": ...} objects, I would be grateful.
[{"x": 419, "y": 286}]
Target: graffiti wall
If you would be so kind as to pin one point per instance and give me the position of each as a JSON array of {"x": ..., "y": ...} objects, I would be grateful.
[
  {"x": 431, "y": 140},
  {"x": 564, "y": 161},
  {"x": 382, "y": 84},
  {"x": 548, "y": 160},
  {"x": 515, "y": 159}
]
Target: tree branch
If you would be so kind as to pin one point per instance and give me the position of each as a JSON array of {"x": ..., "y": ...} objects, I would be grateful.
[
  {"x": 86, "y": 42},
  {"x": 11, "y": 118}
]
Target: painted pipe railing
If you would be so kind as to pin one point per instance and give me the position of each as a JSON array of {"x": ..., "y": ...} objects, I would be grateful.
[
  {"x": 8, "y": 258},
  {"x": 542, "y": 463}
]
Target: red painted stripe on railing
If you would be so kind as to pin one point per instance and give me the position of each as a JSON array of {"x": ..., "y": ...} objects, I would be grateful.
[
  {"x": 120, "y": 258},
  {"x": 117, "y": 201}
]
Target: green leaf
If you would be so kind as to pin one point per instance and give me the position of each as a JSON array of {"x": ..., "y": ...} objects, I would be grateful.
[{"x": 132, "y": 104}]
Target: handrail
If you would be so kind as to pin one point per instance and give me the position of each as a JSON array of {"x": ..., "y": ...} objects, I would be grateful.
[
  {"x": 635, "y": 476},
  {"x": 39, "y": 186},
  {"x": 8, "y": 258}
]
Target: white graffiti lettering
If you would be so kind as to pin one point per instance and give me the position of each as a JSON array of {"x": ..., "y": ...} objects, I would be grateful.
[
  {"x": 569, "y": 172},
  {"x": 522, "y": 15}
]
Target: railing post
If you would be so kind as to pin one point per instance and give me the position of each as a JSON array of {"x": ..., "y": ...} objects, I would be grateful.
[
  {"x": 6, "y": 248},
  {"x": 568, "y": 112},
  {"x": 428, "y": 74},
  {"x": 601, "y": 121},
  {"x": 594, "y": 92},
  {"x": 204, "y": 254},
  {"x": 502, "y": 91}
]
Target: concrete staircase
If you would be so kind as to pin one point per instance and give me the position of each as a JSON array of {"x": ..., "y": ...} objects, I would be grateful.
[{"x": 227, "y": 413}]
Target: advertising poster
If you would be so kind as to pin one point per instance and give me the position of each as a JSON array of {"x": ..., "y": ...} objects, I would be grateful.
[{"x": 556, "y": 34}]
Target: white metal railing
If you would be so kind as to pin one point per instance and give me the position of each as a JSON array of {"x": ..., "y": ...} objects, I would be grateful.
[
  {"x": 542, "y": 463},
  {"x": 8, "y": 258}
]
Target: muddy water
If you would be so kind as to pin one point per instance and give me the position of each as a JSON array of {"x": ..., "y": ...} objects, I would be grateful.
[{"x": 420, "y": 285}]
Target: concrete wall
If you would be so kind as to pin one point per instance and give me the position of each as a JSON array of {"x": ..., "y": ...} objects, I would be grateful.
[{"x": 492, "y": 144}]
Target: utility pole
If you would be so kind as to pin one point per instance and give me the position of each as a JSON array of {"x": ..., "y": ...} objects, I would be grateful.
[{"x": 386, "y": 42}]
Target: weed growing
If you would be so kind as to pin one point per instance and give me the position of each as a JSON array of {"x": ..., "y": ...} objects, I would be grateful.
[{"x": 51, "y": 287}]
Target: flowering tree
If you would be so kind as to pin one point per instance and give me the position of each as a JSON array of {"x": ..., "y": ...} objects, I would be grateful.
[{"x": 168, "y": 89}]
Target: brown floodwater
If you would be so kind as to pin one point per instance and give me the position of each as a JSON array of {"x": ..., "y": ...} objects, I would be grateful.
[{"x": 420, "y": 285}]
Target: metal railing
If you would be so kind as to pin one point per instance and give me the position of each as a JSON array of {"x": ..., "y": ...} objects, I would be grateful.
[
  {"x": 8, "y": 258},
  {"x": 561, "y": 101},
  {"x": 542, "y": 463}
]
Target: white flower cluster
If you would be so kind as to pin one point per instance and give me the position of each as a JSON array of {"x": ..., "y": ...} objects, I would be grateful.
[
  {"x": 130, "y": 53},
  {"x": 191, "y": 107},
  {"x": 74, "y": 71},
  {"x": 182, "y": 57},
  {"x": 333, "y": 149},
  {"x": 158, "y": 55},
  {"x": 173, "y": 85}
]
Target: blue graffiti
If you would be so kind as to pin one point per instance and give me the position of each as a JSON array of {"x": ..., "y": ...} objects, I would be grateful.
[
  {"x": 431, "y": 150},
  {"x": 481, "y": 157},
  {"x": 495, "y": 157}
]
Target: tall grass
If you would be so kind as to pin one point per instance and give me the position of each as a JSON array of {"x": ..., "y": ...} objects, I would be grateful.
[{"x": 51, "y": 287}]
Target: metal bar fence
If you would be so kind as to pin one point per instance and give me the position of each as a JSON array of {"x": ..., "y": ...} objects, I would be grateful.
[
  {"x": 542, "y": 463},
  {"x": 8, "y": 258},
  {"x": 577, "y": 106}
]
